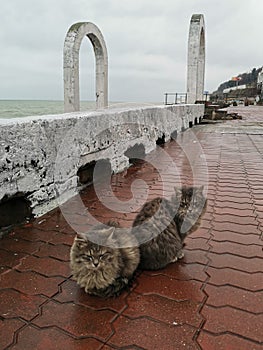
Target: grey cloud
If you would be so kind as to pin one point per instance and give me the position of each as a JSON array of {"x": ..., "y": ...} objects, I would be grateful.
[{"x": 146, "y": 40}]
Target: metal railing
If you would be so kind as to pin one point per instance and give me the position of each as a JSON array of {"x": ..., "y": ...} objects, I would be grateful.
[{"x": 171, "y": 98}]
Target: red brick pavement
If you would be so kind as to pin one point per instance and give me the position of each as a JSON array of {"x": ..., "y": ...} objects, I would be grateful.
[{"x": 212, "y": 299}]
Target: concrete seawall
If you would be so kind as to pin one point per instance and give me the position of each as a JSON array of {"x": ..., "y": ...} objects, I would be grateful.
[{"x": 41, "y": 156}]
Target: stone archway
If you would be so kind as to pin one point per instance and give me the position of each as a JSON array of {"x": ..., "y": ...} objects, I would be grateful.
[
  {"x": 196, "y": 59},
  {"x": 72, "y": 44}
]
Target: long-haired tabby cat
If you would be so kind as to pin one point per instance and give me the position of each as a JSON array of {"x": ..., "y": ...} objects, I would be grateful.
[
  {"x": 162, "y": 225},
  {"x": 107, "y": 267}
]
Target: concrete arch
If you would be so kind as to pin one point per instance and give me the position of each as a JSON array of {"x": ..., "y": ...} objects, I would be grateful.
[
  {"x": 72, "y": 44},
  {"x": 196, "y": 59}
]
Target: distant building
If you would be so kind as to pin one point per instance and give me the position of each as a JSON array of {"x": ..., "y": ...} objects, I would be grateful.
[
  {"x": 260, "y": 84},
  {"x": 260, "y": 81},
  {"x": 238, "y": 87},
  {"x": 260, "y": 77}
]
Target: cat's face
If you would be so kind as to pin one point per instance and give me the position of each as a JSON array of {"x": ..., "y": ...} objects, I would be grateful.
[
  {"x": 190, "y": 198},
  {"x": 192, "y": 206},
  {"x": 96, "y": 256},
  {"x": 93, "y": 256}
]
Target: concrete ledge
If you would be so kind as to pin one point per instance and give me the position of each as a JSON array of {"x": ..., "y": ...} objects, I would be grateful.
[{"x": 40, "y": 156}]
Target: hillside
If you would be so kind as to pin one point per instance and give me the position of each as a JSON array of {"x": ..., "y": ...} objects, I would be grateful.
[
  {"x": 249, "y": 79},
  {"x": 244, "y": 87}
]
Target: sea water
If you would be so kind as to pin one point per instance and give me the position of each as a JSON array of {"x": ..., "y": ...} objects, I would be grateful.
[{"x": 24, "y": 108}]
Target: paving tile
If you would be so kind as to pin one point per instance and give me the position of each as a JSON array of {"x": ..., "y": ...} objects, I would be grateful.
[
  {"x": 76, "y": 219},
  {"x": 195, "y": 256},
  {"x": 241, "y": 202},
  {"x": 234, "y": 219},
  {"x": 227, "y": 276},
  {"x": 4, "y": 270},
  {"x": 197, "y": 243},
  {"x": 163, "y": 309},
  {"x": 46, "y": 266},
  {"x": 226, "y": 203},
  {"x": 7, "y": 330},
  {"x": 205, "y": 224},
  {"x": 254, "y": 178},
  {"x": 209, "y": 341},
  {"x": 33, "y": 234},
  {"x": 181, "y": 271},
  {"x": 236, "y": 194},
  {"x": 46, "y": 223},
  {"x": 10, "y": 259},
  {"x": 147, "y": 334},
  {"x": 67, "y": 229},
  {"x": 170, "y": 288},
  {"x": 247, "y": 251},
  {"x": 44, "y": 339},
  {"x": 227, "y": 319},
  {"x": 208, "y": 216},
  {"x": 77, "y": 320},
  {"x": 30, "y": 283},
  {"x": 259, "y": 204},
  {"x": 62, "y": 238},
  {"x": 259, "y": 212},
  {"x": 228, "y": 236},
  {"x": 71, "y": 292},
  {"x": 60, "y": 251},
  {"x": 19, "y": 245},
  {"x": 55, "y": 222},
  {"x": 235, "y": 183},
  {"x": 15, "y": 304},
  {"x": 201, "y": 232},
  {"x": 210, "y": 199},
  {"x": 244, "y": 229},
  {"x": 257, "y": 196},
  {"x": 224, "y": 260},
  {"x": 239, "y": 298}
]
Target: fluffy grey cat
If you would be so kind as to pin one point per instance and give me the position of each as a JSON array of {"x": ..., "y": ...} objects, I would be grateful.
[
  {"x": 107, "y": 267},
  {"x": 162, "y": 225}
]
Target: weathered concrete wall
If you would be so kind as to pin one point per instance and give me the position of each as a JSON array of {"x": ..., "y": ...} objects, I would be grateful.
[{"x": 40, "y": 156}]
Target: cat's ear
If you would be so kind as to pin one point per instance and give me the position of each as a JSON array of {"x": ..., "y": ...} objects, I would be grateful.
[
  {"x": 178, "y": 192},
  {"x": 113, "y": 223},
  {"x": 110, "y": 232},
  {"x": 199, "y": 190},
  {"x": 80, "y": 240},
  {"x": 81, "y": 237},
  {"x": 106, "y": 230}
]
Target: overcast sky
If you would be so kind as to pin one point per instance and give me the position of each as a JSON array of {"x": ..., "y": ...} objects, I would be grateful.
[{"x": 146, "y": 42}]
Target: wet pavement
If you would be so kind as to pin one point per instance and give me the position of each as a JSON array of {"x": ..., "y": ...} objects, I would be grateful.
[{"x": 211, "y": 299}]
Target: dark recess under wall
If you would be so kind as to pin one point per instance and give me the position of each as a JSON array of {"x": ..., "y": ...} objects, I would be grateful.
[
  {"x": 14, "y": 210},
  {"x": 160, "y": 140},
  {"x": 135, "y": 153},
  {"x": 87, "y": 171}
]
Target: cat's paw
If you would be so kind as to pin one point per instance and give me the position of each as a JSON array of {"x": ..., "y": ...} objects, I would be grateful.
[
  {"x": 174, "y": 260},
  {"x": 180, "y": 255}
]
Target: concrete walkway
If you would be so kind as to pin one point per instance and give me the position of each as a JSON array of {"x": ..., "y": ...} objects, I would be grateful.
[{"x": 212, "y": 299}]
